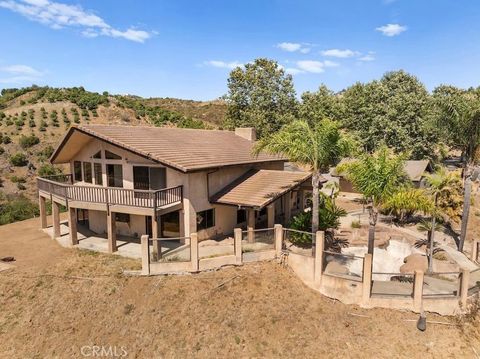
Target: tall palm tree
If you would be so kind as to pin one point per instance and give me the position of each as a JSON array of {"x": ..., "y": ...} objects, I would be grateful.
[
  {"x": 377, "y": 176},
  {"x": 317, "y": 146},
  {"x": 439, "y": 183},
  {"x": 459, "y": 118}
]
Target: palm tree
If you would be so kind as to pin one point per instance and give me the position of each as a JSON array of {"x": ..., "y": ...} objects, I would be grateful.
[
  {"x": 377, "y": 176},
  {"x": 459, "y": 119},
  {"x": 440, "y": 183},
  {"x": 317, "y": 146}
]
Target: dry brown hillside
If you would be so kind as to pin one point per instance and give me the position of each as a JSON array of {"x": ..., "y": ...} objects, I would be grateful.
[{"x": 44, "y": 114}]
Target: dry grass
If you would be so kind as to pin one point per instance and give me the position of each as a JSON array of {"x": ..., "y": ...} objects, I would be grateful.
[{"x": 57, "y": 300}]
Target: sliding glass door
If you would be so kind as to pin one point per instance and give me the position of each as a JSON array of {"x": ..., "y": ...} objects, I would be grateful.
[
  {"x": 114, "y": 175},
  {"x": 147, "y": 178}
]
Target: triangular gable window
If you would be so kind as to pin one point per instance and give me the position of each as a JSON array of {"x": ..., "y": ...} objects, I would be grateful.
[
  {"x": 112, "y": 156},
  {"x": 97, "y": 155}
]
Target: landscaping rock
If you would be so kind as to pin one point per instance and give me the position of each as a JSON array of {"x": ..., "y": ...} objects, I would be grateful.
[{"x": 414, "y": 262}]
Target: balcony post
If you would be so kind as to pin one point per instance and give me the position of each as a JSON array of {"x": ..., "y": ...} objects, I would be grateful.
[
  {"x": 157, "y": 245},
  {"x": 145, "y": 255},
  {"x": 43, "y": 211},
  {"x": 271, "y": 215},
  {"x": 72, "y": 225},
  {"x": 250, "y": 225},
  {"x": 288, "y": 207},
  {"x": 56, "y": 219},
  {"x": 237, "y": 245},
  {"x": 464, "y": 282},
  {"x": 111, "y": 232}
]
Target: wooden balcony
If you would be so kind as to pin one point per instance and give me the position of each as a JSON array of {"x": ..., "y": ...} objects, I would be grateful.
[{"x": 62, "y": 190}]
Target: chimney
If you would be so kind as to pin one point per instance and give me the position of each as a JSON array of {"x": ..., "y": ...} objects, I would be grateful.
[{"x": 248, "y": 133}]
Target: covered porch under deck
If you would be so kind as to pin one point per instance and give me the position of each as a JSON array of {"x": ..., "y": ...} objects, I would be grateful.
[{"x": 266, "y": 197}]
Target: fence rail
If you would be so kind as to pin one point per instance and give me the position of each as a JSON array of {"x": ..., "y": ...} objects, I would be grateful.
[{"x": 61, "y": 186}]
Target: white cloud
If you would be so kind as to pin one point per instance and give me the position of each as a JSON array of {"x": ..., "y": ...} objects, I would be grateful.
[
  {"x": 293, "y": 47},
  {"x": 367, "y": 58},
  {"x": 293, "y": 71},
  {"x": 311, "y": 66},
  {"x": 328, "y": 63},
  {"x": 339, "y": 53},
  {"x": 58, "y": 15},
  {"x": 223, "y": 64},
  {"x": 19, "y": 74},
  {"x": 391, "y": 29}
]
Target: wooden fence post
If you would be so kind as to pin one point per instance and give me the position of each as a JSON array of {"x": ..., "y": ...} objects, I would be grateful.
[
  {"x": 278, "y": 232},
  {"x": 367, "y": 278},
  {"x": 145, "y": 255},
  {"x": 465, "y": 277},
  {"x": 194, "y": 251},
  {"x": 237, "y": 238},
  {"x": 418, "y": 290},
  {"x": 318, "y": 266}
]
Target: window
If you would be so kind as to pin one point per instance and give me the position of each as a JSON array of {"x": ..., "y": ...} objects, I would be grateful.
[
  {"x": 241, "y": 216},
  {"x": 77, "y": 170},
  {"x": 87, "y": 172},
  {"x": 122, "y": 217},
  {"x": 141, "y": 178},
  {"x": 114, "y": 175},
  {"x": 205, "y": 219},
  {"x": 97, "y": 155},
  {"x": 97, "y": 172},
  {"x": 149, "y": 178},
  {"x": 112, "y": 156}
]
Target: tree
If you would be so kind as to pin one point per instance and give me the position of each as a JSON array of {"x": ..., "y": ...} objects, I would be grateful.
[
  {"x": 260, "y": 95},
  {"x": 323, "y": 103},
  {"x": 377, "y": 176},
  {"x": 317, "y": 146},
  {"x": 394, "y": 110},
  {"x": 439, "y": 183},
  {"x": 458, "y": 116},
  {"x": 405, "y": 203}
]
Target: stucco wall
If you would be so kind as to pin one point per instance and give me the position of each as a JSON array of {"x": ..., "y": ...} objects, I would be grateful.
[{"x": 98, "y": 223}]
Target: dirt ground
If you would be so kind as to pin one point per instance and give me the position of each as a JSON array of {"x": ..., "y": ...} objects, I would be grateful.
[{"x": 57, "y": 301}]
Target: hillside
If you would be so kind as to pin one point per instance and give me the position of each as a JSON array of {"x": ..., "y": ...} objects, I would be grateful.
[{"x": 32, "y": 121}]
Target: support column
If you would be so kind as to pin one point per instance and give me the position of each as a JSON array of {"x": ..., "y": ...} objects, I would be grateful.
[
  {"x": 56, "y": 219},
  {"x": 319, "y": 243},
  {"x": 278, "y": 239},
  {"x": 181, "y": 222},
  {"x": 464, "y": 287},
  {"x": 72, "y": 225},
  {"x": 112, "y": 232},
  {"x": 43, "y": 211},
  {"x": 367, "y": 278},
  {"x": 250, "y": 225},
  {"x": 237, "y": 237},
  {"x": 288, "y": 207},
  {"x": 418, "y": 291},
  {"x": 301, "y": 195},
  {"x": 271, "y": 215},
  {"x": 157, "y": 245}
]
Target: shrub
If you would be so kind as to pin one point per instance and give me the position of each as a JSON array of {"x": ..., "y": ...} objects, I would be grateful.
[
  {"x": 22, "y": 102},
  {"x": 45, "y": 153},
  {"x": 19, "y": 123},
  {"x": 6, "y": 140},
  {"x": 31, "y": 123},
  {"x": 18, "y": 179},
  {"x": 28, "y": 141},
  {"x": 18, "y": 159},
  {"x": 356, "y": 224},
  {"x": 48, "y": 170},
  {"x": 16, "y": 208},
  {"x": 31, "y": 113},
  {"x": 21, "y": 186}
]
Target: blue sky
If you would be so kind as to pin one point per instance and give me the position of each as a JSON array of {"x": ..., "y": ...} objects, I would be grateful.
[{"x": 186, "y": 49}]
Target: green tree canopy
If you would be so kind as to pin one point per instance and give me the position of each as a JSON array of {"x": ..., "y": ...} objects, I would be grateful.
[{"x": 260, "y": 95}]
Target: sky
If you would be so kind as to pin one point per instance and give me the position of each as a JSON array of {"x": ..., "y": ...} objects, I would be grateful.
[{"x": 186, "y": 49}]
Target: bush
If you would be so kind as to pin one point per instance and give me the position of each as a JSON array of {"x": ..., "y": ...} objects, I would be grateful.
[
  {"x": 7, "y": 140},
  {"x": 16, "y": 208},
  {"x": 9, "y": 122},
  {"x": 2, "y": 150},
  {"x": 28, "y": 141},
  {"x": 356, "y": 224},
  {"x": 31, "y": 123},
  {"x": 48, "y": 170},
  {"x": 18, "y": 160},
  {"x": 21, "y": 186},
  {"x": 45, "y": 153},
  {"x": 17, "y": 179}
]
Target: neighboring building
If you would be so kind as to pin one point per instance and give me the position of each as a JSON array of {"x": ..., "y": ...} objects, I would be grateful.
[
  {"x": 168, "y": 182},
  {"x": 415, "y": 170}
]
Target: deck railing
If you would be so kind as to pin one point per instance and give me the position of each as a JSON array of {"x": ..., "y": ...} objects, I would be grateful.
[{"x": 61, "y": 186}]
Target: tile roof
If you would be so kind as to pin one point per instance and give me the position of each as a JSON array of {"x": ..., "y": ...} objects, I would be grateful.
[
  {"x": 258, "y": 188},
  {"x": 183, "y": 149}
]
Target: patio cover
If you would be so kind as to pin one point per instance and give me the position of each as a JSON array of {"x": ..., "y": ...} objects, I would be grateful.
[{"x": 258, "y": 188}]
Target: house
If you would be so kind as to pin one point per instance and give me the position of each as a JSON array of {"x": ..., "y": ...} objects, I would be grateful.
[
  {"x": 168, "y": 182},
  {"x": 415, "y": 170}
]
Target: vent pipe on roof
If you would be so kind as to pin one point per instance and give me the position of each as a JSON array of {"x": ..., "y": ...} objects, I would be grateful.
[{"x": 248, "y": 133}]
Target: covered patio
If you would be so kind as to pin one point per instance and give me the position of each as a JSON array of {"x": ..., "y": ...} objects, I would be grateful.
[{"x": 267, "y": 196}]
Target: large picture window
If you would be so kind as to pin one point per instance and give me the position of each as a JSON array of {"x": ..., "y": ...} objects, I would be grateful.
[
  {"x": 114, "y": 175},
  {"x": 205, "y": 219},
  {"x": 97, "y": 173},
  {"x": 77, "y": 171},
  {"x": 87, "y": 172}
]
